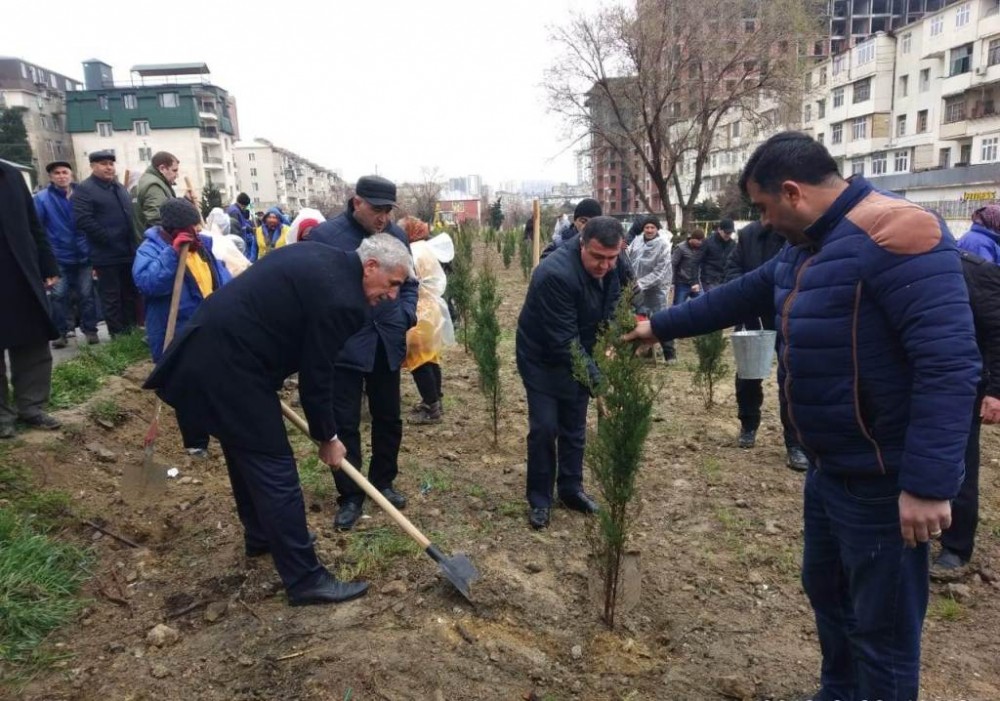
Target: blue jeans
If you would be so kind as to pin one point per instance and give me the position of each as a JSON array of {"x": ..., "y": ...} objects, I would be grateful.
[
  {"x": 74, "y": 280},
  {"x": 682, "y": 293},
  {"x": 555, "y": 423},
  {"x": 867, "y": 589}
]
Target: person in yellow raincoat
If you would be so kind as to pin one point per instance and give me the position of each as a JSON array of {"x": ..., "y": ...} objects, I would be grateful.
[{"x": 434, "y": 328}]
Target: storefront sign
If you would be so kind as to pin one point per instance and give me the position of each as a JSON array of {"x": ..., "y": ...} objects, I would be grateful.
[{"x": 977, "y": 196}]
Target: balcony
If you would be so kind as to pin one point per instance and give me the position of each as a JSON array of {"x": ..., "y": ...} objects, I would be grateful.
[
  {"x": 208, "y": 116},
  {"x": 953, "y": 130},
  {"x": 213, "y": 163},
  {"x": 209, "y": 134}
]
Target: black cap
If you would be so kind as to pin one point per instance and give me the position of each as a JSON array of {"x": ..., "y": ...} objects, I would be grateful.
[
  {"x": 376, "y": 190},
  {"x": 104, "y": 155},
  {"x": 57, "y": 164},
  {"x": 727, "y": 225},
  {"x": 178, "y": 213},
  {"x": 587, "y": 207}
]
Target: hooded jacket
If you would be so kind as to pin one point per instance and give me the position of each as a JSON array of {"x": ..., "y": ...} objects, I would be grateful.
[
  {"x": 55, "y": 212},
  {"x": 981, "y": 241},
  {"x": 266, "y": 240}
]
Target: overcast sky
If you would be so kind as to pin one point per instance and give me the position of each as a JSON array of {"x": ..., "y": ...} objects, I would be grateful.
[{"x": 397, "y": 85}]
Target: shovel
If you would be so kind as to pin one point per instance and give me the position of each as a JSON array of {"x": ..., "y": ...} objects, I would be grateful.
[
  {"x": 457, "y": 568},
  {"x": 149, "y": 480}
]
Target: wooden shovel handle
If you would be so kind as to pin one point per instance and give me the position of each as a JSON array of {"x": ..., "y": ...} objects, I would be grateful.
[
  {"x": 367, "y": 486},
  {"x": 175, "y": 297}
]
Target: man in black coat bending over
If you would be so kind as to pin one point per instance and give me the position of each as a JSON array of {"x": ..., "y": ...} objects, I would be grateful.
[
  {"x": 370, "y": 360},
  {"x": 572, "y": 292},
  {"x": 291, "y": 312}
]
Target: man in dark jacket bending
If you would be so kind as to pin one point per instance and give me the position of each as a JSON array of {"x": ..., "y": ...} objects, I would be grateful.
[
  {"x": 879, "y": 367},
  {"x": 370, "y": 361},
  {"x": 291, "y": 312},
  {"x": 572, "y": 292}
]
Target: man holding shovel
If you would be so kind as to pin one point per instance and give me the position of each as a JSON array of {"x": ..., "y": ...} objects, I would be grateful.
[{"x": 290, "y": 312}]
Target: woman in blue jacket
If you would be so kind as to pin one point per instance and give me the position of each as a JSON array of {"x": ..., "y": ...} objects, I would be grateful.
[
  {"x": 154, "y": 270},
  {"x": 983, "y": 239}
]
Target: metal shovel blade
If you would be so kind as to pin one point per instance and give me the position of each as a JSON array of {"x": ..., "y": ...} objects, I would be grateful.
[
  {"x": 457, "y": 568},
  {"x": 145, "y": 481}
]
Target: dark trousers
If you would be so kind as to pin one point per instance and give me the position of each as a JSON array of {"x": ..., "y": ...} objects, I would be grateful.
[
  {"x": 557, "y": 433},
  {"x": 961, "y": 536},
  {"x": 428, "y": 380},
  {"x": 193, "y": 435},
  {"x": 382, "y": 387},
  {"x": 749, "y": 399},
  {"x": 270, "y": 506},
  {"x": 119, "y": 297},
  {"x": 682, "y": 293},
  {"x": 867, "y": 589},
  {"x": 31, "y": 378},
  {"x": 78, "y": 281}
]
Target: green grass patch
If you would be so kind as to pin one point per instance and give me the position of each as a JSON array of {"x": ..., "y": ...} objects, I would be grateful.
[
  {"x": 370, "y": 552},
  {"x": 39, "y": 582},
  {"x": 77, "y": 379},
  {"x": 315, "y": 477},
  {"x": 512, "y": 509},
  {"x": 712, "y": 468},
  {"x": 477, "y": 491},
  {"x": 945, "y": 608},
  {"x": 107, "y": 411},
  {"x": 434, "y": 481}
]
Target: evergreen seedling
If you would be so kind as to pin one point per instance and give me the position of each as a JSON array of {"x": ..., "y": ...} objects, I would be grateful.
[{"x": 486, "y": 342}]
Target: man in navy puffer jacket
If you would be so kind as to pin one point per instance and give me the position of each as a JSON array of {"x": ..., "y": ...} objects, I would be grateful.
[{"x": 878, "y": 365}]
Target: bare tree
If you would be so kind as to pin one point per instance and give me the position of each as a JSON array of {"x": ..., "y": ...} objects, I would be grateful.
[
  {"x": 650, "y": 85},
  {"x": 420, "y": 199}
]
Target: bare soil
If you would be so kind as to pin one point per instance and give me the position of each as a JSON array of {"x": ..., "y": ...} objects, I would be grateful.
[{"x": 721, "y": 613}]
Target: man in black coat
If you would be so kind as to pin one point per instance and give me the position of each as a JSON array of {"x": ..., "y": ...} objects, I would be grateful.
[
  {"x": 571, "y": 294},
  {"x": 103, "y": 212},
  {"x": 370, "y": 361},
  {"x": 291, "y": 312},
  {"x": 714, "y": 254},
  {"x": 27, "y": 269},
  {"x": 758, "y": 244}
]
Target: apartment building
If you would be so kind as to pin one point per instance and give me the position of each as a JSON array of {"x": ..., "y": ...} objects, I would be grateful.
[
  {"x": 274, "y": 176},
  {"x": 41, "y": 93},
  {"x": 169, "y": 107}
]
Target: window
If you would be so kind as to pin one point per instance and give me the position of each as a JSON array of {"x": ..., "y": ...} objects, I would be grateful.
[
  {"x": 965, "y": 154},
  {"x": 253, "y": 172},
  {"x": 904, "y": 85},
  {"x": 169, "y": 99},
  {"x": 921, "y": 121},
  {"x": 44, "y": 120},
  {"x": 993, "y": 53},
  {"x": 866, "y": 53},
  {"x": 960, "y": 60},
  {"x": 925, "y": 79},
  {"x": 944, "y": 158},
  {"x": 838, "y": 98},
  {"x": 858, "y": 166},
  {"x": 821, "y": 137},
  {"x": 937, "y": 25},
  {"x": 256, "y": 187},
  {"x": 878, "y": 163},
  {"x": 53, "y": 81},
  {"x": 902, "y": 163},
  {"x": 807, "y": 114},
  {"x": 141, "y": 128},
  {"x": 102, "y": 102},
  {"x": 963, "y": 14},
  {"x": 839, "y": 63},
  {"x": 24, "y": 71},
  {"x": 735, "y": 130},
  {"x": 901, "y": 125},
  {"x": 104, "y": 129},
  {"x": 838, "y": 133},
  {"x": 145, "y": 154},
  {"x": 252, "y": 156},
  {"x": 954, "y": 109},
  {"x": 130, "y": 101},
  {"x": 822, "y": 77},
  {"x": 862, "y": 90},
  {"x": 907, "y": 43},
  {"x": 859, "y": 128},
  {"x": 990, "y": 149},
  {"x": 820, "y": 109}
]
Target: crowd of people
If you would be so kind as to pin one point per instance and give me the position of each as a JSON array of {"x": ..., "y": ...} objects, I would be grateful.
[{"x": 888, "y": 347}]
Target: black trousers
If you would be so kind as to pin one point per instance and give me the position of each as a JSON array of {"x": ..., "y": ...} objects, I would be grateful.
[
  {"x": 119, "y": 297},
  {"x": 428, "y": 380},
  {"x": 555, "y": 424},
  {"x": 749, "y": 399},
  {"x": 30, "y": 375},
  {"x": 382, "y": 387},
  {"x": 193, "y": 435},
  {"x": 271, "y": 508},
  {"x": 961, "y": 536}
]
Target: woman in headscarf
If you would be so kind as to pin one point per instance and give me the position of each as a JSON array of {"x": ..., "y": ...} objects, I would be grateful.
[
  {"x": 983, "y": 239},
  {"x": 303, "y": 223},
  {"x": 649, "y": 254},
  {"x": 433, "y": 329}
]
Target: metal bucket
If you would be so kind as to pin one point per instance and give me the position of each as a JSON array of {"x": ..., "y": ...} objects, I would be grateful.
[{"x": 754, "y": 351}]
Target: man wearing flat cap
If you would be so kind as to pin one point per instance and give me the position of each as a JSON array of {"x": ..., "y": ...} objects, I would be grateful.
[
  {"x": 370, "y": 360},
  {"x": 55, "y": 213},
  {"x": 103, "y": 212}
]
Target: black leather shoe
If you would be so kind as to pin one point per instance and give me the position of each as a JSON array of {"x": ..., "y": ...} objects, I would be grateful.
[
  {"x": 329, "y": 590},
  {"x": 748, "y": 439},
  {"x": 797, "y": 459},
  {"x": 538, "y": 518},
  {"x": 261, "y": 550},
  {"x": 394, "y": 497},
  {"x": 41, "y": 421},
  {"x": 347, "y": 515},
  {"x": 580, "y": 501}
]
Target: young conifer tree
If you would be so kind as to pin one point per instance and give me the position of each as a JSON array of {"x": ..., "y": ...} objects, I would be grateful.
[
  {"x": 462, "y": 282},
  {"x": 711, "y": 368},
  {"x": 486, "y": 342}
]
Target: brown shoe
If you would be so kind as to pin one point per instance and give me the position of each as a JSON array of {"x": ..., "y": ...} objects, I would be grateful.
[{"x": 428, "y": 414}]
